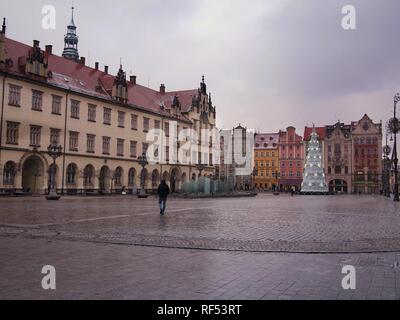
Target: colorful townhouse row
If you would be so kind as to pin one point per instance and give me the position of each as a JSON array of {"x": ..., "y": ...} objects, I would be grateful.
[{"x": 352, "y": 157}]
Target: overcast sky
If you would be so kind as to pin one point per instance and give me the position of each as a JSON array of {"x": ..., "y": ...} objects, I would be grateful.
[{"x": 269, "y": 64}]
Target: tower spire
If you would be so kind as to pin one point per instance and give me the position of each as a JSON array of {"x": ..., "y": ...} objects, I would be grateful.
[
  {"x": 3, "y": 27},
  {"x": 72, "y": 16},
  {"x": 71, "y": 40}
]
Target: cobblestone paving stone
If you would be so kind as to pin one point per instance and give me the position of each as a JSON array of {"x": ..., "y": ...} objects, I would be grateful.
[
  {"x": 87, "y": 270},
  {"x": 120, "y": 248},
  {"x": 264, "y": 224}
]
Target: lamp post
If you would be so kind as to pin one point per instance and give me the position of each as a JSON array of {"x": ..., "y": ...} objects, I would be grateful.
[
  {"x": 255, "y": 173},
  {"x": 143, "y": 162},
  {"x": 277, "y": 175},
  {"x": 54, "y": 152},
  {"x": 200, "y": 167},
  {"x": 386, "y": 169},
  {"x": 395, "y": 129}
]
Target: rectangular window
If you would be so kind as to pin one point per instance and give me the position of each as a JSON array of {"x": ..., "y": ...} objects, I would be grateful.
[
  {"x": 157, "y": 124},
  {"x": 73, "y": 140},
  {"x": 35, "y": 133},
  {"x": 106, "y": 145},
  {"x": 107, "y": 116},
  {"x": 121, "y": 119},
  {"x": 166, "y": 129},
  {"x": 92, "y": 113},
  {"x": 146, "y": 124},
  {"x": 120, "y": 147},
  {"x": 12, "y": 132},
  {"x": 55, "y": 136},
  {"x": 14, "y": 95},
  {"x": 91, "y": 143},
  {"x": 75, "y": 109},
  {"x": 37, "y": 100},
  {"x": 134, "y": 122},
  {"x": 133, "y": 149},
  {"x": 167, "y": 154},
  {"x": 56, "y": 105}
]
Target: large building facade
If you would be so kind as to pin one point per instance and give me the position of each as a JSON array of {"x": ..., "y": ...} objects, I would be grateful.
[
  {"x": 291, "y": 159},
  {"x": 102, "y": 122},
  {"x": 266, "y": 158},
  {"x": 367, "y": 156},
  {"x": 338, "y": 158},
  {"x": 352, "y": 156}
]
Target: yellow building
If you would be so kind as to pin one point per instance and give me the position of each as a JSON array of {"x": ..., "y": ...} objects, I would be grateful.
[
  {"x": 266, "y": 160},
  {"x": 100, "y": 120}
]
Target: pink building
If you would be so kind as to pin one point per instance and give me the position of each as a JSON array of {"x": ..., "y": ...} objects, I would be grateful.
[{"x": 291, "y": 159}]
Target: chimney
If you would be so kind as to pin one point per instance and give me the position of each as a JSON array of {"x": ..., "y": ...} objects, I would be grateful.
[
  {"x": 83, "y": 60},
  {"x": 96, "y": 65},
  {"x": 49, "y": 49},
  {"x": 106, "y": 69},
  {"x": 133, "y": 80},
  {"x": 162, "y": 88},
  {"x": 36, "y": 43}
]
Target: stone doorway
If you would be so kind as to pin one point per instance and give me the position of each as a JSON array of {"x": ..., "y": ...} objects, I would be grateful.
[{"x": 33, "y": 175}]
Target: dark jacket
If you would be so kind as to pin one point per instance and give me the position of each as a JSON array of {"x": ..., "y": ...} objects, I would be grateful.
[{"x": 163, "y": 191}]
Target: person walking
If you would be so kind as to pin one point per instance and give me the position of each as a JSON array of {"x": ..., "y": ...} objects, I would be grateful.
[{"x": 163, "y": 192}]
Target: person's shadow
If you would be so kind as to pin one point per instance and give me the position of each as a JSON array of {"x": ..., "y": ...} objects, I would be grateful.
[{"x": 163, "y": 223}]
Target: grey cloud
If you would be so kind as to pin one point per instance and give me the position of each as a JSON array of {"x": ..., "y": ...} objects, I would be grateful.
[{"x": 269, "y": 64}]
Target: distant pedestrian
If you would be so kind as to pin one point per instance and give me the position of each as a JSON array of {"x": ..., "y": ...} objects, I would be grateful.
[
  {"x": 292, "y": 191},
  {"x": 163, "y": 192}
]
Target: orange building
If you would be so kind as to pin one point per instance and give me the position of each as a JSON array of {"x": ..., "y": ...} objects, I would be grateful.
[{"x": 266, "y": 157}]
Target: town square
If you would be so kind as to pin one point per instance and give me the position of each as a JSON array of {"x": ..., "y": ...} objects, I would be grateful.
[
  {"x": 199, "y": 151},
  {"x": 220, "y": 249}
]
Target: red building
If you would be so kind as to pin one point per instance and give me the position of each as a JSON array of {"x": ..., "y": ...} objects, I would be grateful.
[
  {"x": 291, "y": 159},
  {"x": 367, "y": 158}
]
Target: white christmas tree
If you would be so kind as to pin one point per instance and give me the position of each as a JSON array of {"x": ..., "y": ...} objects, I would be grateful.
[{"x": 314, "y": 177}]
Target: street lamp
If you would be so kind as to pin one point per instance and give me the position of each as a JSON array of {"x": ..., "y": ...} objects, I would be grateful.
[
  {"x": 54, "y": 152},
  {"x": 394, "y": 127},
  {"x": 200, "y": 167},
  {"x": 386, "y": 169},
  {"x": 255, "y": 173},
  {"x": 143, "y": 162},
  {"x": 277, "y": 175}
]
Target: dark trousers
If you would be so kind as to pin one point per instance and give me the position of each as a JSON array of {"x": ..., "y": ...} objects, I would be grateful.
[{"x": 163, "y": 204}]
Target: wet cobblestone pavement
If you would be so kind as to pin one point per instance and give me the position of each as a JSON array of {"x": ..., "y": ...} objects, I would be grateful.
[
  {"x": 264, "y": 224},
  {"x": 121, "y": 248}
]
